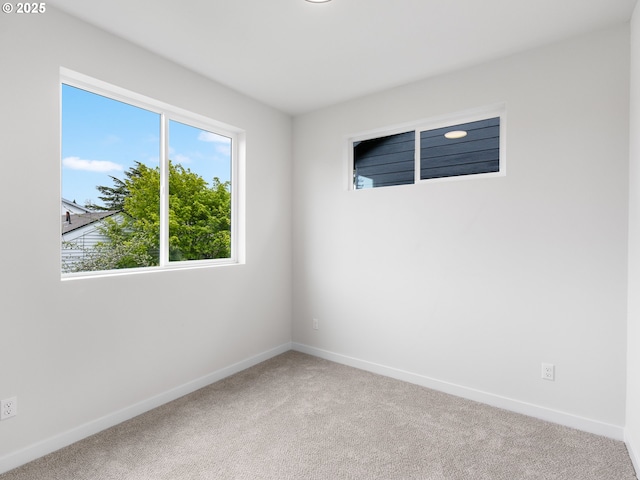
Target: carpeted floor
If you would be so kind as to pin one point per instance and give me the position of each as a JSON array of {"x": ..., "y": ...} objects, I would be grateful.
[{"x": 300, "y": 417}]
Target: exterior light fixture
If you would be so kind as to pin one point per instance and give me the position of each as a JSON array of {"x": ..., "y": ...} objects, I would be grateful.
[
  {"x": 318, "y": 1},
  {"x": 452, "y": 135}
]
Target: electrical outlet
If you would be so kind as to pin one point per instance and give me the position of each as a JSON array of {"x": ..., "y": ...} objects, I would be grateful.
[
  {"x": 548, "y": 371},
  {"x": 8, "y": 408},
  {"x": 315, "y": 324}
]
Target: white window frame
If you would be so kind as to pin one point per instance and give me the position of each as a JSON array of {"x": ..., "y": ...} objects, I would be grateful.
[
  {"x": 467, "y": 116},
  {"x": 168, "y": 113}
]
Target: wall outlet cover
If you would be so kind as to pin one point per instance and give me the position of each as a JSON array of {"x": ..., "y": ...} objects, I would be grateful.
[{"x": 8, "y": 408}]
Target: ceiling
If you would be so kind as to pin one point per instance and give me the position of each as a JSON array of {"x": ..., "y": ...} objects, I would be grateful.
[{"x": 299, "y": 56}]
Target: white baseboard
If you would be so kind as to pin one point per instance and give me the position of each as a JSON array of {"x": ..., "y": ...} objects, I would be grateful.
[
  {"x": 44, "y": 447},
  {"x": 592, "y": 426},
  {"x": 634, "y": 453}
]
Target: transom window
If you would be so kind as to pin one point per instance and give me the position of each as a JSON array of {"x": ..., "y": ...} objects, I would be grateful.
[
  {"x": 473, "y": 146},
  {"x": 144, "y": 185}
]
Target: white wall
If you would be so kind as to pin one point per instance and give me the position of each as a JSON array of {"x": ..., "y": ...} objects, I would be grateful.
[
  {"x": 633, "y": 332},
  {"x": 77, "y": 351},
  {"x": 470, "y": 285}
]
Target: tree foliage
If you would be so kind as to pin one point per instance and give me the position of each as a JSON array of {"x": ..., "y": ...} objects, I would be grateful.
[
  {"x": 199, "y": 220},
  {"x": 199, "y": 216},
  {"x": 113, "y": 197},
  {"x": 130, "y": 251}
]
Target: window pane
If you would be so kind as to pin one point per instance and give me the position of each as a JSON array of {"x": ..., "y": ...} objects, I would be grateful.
[
  {"x": 199, "y": 194},
  {"x": 475, "y": 150},
  {"x": 110, "y": 183},
  {"x": 384, "y": 161}
]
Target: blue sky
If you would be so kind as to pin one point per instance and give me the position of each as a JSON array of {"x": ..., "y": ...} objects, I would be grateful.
[{"x": 102, "y": 137}]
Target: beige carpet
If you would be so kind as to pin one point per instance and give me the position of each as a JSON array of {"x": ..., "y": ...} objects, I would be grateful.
[{"x": 300, "y": 417}]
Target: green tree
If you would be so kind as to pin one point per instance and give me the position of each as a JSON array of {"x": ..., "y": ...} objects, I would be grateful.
[
  {"x": 113, "y": 197},
  {"x": 199, "y": 216},
  {"x": 199, "y": 220},
  {"x": 142, "y": 204},
  {"x": 124, "y": 249}
]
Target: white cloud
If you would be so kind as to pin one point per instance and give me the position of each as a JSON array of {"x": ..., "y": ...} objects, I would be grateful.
[
  {"x": 76, "y": 163},
  {"x": 212, "y": 137},
  {"x": 222, "y": 144}
]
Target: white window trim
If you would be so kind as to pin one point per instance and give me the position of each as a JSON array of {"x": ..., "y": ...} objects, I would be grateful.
[
  {"x": 466, "y": 116},
  {"x": 167, "y": 113}
]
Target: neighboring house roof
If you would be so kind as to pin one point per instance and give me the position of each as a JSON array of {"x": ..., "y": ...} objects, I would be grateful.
[
  {"x": 73, "y": 207},
  {"x": 83, "y": 219}
]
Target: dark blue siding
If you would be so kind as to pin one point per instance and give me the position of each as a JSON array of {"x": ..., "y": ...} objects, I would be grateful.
[
  {"x": 478, "y": 152},
  {"x": 384, "y": 161}
]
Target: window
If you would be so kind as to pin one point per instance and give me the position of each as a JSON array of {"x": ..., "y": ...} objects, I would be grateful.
[
  {"x": 144, "y": 185},
  {"x": 473, "y": 146},
  {"x": 384, "y": 161}
]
